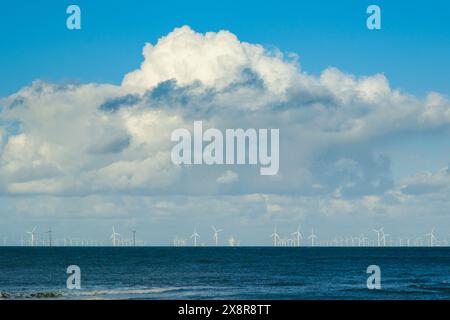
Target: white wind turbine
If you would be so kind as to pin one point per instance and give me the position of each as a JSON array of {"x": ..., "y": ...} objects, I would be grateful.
[
  {"x": 379, "y": 238},
  {"x": 385, "y": 236},
  {"x": 32, "y": 234},
  {"x": 216, "y": 235},
  {"x": 432, "y": 237},
  {"x": 114, "y": 237},
  {"x": 312, "y": 237},
  {"x": 134, "y": 238},
  {"x": 408, "y": 242},
  {"x": 297, "y": 234},
  {"x": 49, "y": 232},
  {"x": 195, "y": 236},
  {"x": 275, "y": 237},
  {"x": 418, "y": 242},
  {"x": 362, "y": 240}
]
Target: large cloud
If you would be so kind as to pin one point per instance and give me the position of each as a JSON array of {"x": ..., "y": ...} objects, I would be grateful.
[
  {"x": 217, "y": 60},
  {"x": 101, "y": 138}
]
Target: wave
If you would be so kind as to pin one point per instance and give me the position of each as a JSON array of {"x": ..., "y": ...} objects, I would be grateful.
[
  {"x": 443, "y": 287},
  {"x": 85, "y": 294}
]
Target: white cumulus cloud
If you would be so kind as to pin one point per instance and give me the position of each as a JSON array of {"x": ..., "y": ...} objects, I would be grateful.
[
  {"x": 216, "y": 59},
  {"x": 96, "y": 139}
]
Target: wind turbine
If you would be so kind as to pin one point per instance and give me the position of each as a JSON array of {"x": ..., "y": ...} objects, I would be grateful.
[
  {"x": 32, "y": 234},
  {"x": 114, "y": 237},
  {"x": 134, "y": 238},
  {"x": 362, "y": 240},
  {"x": 195, "y": 236},
  {"x": 297, "y": 235},
  {"x": 312, "y": 237},
  {"x": 49, "y": 237},
  {"x": 432, "y": 237},
  {"x": 216, "y": 235},
  {"x": 419, "y": 242},
  {"x": 347, "y": 242},
  {"x": 385, "y": 235},
  {"x": 378, "y": 232},
  {"x": 408, "y": 242},
  {"x": 275, "y": 237}
]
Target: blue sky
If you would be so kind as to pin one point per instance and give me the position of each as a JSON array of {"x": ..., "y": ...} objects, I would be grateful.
[
  {"x": 412, "y": 48},
  {"x": 356, "y": 153}
]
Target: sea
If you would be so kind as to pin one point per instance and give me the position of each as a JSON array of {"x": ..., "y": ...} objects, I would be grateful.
[{"x": 231, "y": 273}]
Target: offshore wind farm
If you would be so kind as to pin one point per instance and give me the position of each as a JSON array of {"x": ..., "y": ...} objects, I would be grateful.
[{"x": 293, "y": 238}]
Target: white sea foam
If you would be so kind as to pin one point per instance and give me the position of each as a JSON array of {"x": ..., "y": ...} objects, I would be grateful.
[{"x": 91, "y": 294}]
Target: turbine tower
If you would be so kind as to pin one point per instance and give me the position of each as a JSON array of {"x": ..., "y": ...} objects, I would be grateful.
[
  {"x": 195, "y": 236},
  {"x": 408, "y": 242},
  {"x": 49, "y": 237},
  {"x": 362, "y": 240},
  {"x": 32, "y": 234},
  {"x": 312, "y": 237},
  {"x": 275, "y": 237},
  {"x": 432, "y": 237},
  {"x": 384, "y": 237},
  {"x": 134, "y": 238},
  {"x": 216, "y": 235},
  {"x": 114, "y": 237},
  {"x": 379, "y": 238},
  {"x": 297, "y": 234}
]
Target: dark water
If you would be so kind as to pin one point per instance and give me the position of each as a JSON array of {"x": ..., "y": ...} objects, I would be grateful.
[{"x": 225, "y": 273}]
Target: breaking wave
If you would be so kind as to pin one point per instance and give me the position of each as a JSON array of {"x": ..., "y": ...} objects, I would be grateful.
[{"x": 85, "y": 294}]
